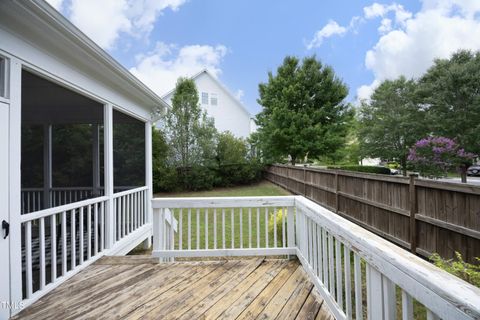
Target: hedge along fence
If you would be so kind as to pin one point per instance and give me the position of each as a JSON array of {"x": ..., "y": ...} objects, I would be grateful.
[{"x": 419, "y": 215}]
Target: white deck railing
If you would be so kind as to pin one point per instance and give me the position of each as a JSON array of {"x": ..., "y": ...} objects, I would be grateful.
[
  {"x": 33, "y": 198},
  {"x": 59, "y": 241},
  {"x": 359, "y": 274}
]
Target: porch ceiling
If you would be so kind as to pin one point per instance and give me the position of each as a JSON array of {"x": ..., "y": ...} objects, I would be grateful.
[{"x": 135, "y": 286}]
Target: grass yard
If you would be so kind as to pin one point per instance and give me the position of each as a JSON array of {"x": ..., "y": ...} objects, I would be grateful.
[{"x": 263, "y": 188}]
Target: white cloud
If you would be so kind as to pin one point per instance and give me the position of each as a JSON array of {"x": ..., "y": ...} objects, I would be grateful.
[
  {"x": 161, "y": 68},
  {"x": 439, "y": 29},
  {"x": 57, "y": 4},
  {"x": 385, "y": 26},
  {"x": 380, "y": 10},
  {"x": 239, "y": 94},
  {"x": 330, "y": 29},
  {"x": 105, "y": 20}
]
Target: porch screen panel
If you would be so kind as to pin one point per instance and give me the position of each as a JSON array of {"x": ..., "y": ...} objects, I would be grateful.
[{"x": 128, "y": 152}]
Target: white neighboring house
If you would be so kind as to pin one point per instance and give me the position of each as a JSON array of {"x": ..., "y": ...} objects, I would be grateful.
[{"x": 219, "y": 103}]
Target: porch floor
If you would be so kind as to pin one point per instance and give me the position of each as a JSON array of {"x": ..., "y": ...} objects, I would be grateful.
[{"x": 137, "y": 287}]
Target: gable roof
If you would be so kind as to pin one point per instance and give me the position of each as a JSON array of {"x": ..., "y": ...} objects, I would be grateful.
[{"x": 218, "y": 83}]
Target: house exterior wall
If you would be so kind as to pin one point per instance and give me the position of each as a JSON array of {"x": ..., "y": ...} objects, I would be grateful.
[
  {"x": 228, "y": 114},
  {"x": 34, "y": 37}
]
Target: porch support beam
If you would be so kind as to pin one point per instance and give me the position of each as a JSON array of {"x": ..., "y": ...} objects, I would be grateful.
[
  {"x": 108, "y": 151},
  {"x": 148, "y": 178},
  {"x": 47, "y": 165},
  {"x": 14, "y": 155}
]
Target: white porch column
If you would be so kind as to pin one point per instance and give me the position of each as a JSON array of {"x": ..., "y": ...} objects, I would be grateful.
[
  {"x": 15, "y": 184},
  {"x": 96, "y": 159},
  {"x": 47, "y": 165},
  {"x": 108, "y": 151},
  {"x": 148, "y": 177}
]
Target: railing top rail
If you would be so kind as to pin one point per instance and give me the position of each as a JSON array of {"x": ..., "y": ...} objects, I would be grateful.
[
  {"x": 50, "y": 211},
  {"x": 32, "y": 189},
  {"x": 438, "y": 290},
  {"x": 224, "y": 202},
  {"x": 126, "y": 192}
]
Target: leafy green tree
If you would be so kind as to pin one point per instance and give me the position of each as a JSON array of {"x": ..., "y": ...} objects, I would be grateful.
[
  {"x": 231, "y": 150},
  {"x": 450, "y": 93},
  {"x": 304, "y": 113},
  {"x": 391, "y": 122},
  {"x": 165, "y": 176},
  {"x": 189, "y": 133}
]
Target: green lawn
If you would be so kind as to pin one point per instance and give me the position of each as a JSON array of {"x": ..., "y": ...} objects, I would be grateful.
[{"x": 263, "y": 188}]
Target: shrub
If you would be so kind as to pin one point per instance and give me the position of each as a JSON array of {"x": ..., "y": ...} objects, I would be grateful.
[
  {"x": 367, "y": 169},
  {"x": 237, "y": 174},
  {"x": 458, "y": 267},
  {"x": 271, "y": 224},
  {"x": 196, "y": 178},
  {"x": 165, "y": 179}
]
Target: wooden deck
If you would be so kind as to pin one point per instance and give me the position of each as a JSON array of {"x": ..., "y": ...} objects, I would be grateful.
[{"x": 134, "y": 287}]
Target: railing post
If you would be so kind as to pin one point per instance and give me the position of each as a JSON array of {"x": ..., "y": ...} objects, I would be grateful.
[
  {"x": 108, "y": 145},
  {"x": 157, "y": 243},
  {"x": 413, "y": 211},
  {"x": 291, "y": 227}
]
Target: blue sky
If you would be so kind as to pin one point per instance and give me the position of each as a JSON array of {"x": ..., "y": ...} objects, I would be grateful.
[{"x": 241, "y": 40}]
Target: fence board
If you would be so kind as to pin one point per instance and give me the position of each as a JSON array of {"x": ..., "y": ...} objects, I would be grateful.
[{"x": 419, "y": 215}]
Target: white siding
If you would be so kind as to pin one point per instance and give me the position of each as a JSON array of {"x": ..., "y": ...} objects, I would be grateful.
[{"x": 228, "y": 114}]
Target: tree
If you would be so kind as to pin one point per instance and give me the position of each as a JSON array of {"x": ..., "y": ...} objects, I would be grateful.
[
  {"x": 450, "y": 93},
  {"x": 231, "y": 150},
  {"x": 189, "y": 133},
  {"x": 434, "y": 156},
  {"x": 304, "y": 113},
  {"x": 391, "y": 122}
]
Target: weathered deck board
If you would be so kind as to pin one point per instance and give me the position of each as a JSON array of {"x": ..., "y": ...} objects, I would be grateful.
[{"x": 133, "y": 288}]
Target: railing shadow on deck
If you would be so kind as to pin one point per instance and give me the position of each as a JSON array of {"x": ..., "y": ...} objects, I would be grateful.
[{"x": 358, "y": 273}]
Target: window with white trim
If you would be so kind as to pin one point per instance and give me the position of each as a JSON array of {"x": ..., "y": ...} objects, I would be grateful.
[
  {"x": 213, "y": 99},
  {"x": 204, "y": 98},
  {"x": 3, "y": 77}
]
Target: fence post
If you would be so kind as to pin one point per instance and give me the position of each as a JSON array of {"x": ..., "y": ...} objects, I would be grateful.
[
  {"x": 336, "y": 191},
  {"x": 413, "y": 211},
  {"x": 305, "y": 181}
]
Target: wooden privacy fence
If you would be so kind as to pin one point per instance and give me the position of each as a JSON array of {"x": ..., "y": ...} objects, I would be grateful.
[{"x": 419, "y": 215}]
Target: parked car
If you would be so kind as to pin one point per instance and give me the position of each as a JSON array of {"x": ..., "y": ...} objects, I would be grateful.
[
  {"x": 394, "y": 171},
  {"x": 474, "y": 170}
]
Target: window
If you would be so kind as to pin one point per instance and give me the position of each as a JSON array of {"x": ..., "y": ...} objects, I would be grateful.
[
  {"x": 213, "y": 99},
  {"x": 3, "y": 77},
  {"x": 204, "y": 98}
]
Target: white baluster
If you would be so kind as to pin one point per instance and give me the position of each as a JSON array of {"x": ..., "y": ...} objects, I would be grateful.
[
  {"x": 348, "y": 282},
  {"x": 42, "y": 253},
  {"x": 72, "y": 239},
  {"x": 358, "y": 287},
  {"x": 28, "y": 260},
  {"x": 53, "y": 233}
]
